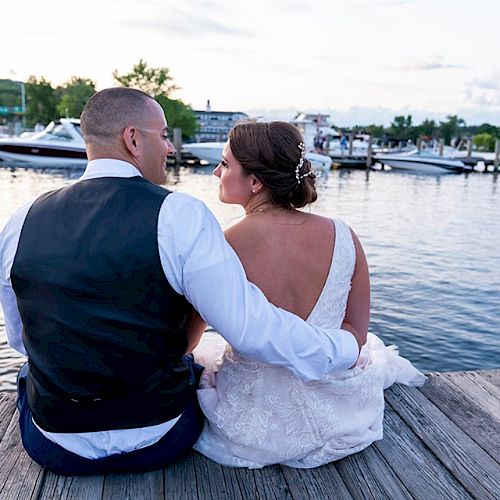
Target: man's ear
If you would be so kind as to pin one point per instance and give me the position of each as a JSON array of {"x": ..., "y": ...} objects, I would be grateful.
[
  {"x": 130, "y": 137},
  {"x": 255, "y": 184}
]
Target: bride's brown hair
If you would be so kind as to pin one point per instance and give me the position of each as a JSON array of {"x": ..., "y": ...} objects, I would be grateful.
[{"x": 270, "y": 151}]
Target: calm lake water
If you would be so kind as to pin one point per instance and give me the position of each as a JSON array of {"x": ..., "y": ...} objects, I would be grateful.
[{"x": 432, "y": 244}]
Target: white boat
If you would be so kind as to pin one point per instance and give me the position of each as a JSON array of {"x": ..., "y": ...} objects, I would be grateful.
[
  {"x": 59, "y": 145},
  {"x": 421, "y": 161},
  {"x": 211, "y": 152}
]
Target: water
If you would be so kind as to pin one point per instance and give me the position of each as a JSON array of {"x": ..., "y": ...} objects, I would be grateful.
[{"x": 431, "y": 242}]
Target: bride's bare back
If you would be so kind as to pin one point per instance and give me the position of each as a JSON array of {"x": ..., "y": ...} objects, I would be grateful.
[{"x": 287, "y": 254}]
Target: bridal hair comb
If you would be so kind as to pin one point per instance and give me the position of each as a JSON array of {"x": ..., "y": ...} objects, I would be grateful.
[{"x": 302, "y": 148}]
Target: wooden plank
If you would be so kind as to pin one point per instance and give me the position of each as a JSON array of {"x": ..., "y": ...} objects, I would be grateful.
[
  {"x": 469, "y": 405},
  {"x": 57, "y": 487},
  {"x": 241, "y": 481},
  {"x": 271, "y": 484},
  {"x": 20, "y": 477},
  {"x": 368, "y": 475},
  {"x": 7, "y": 408},
  {"x": 180, "y": 479},
  {"x": 321, "y": 482},
  {"x": 210, "y": 479},
  {"x": 419, "y": 470},
  {"x": 466, "y": 460},
  {"x": 492, "y": 376},
  {"x": 138, "y": 486}
]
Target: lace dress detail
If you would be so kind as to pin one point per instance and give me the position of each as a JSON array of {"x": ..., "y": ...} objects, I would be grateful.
[{"x": 258, "y": 414}]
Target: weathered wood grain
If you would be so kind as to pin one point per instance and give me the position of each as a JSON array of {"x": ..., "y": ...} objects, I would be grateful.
[
  {"x": 492, "y": 375},
  {"x": 20, "y": 477},
  {"x": 57, "y": 487},
  {"x": 469, "y": 403},
  {"x": 138, "y": 486},
  {"x": 240, "y": 481},
  {"x": 7, "y": 407},
  {"x": 368, "y": 475},
  {"x": 180, "y": 479},
  {"x": 415, "y": 465},
  {"x": 323, "y": 482},
  {"x": 210, "y": 479},
  {"x": 271, "y": 484},
  {"x": 466, "y": 460}
]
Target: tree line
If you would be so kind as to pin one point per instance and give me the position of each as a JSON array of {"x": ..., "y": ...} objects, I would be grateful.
[
  {"x": 453, "y": 129},
  {"x": 45, "y": 103}
]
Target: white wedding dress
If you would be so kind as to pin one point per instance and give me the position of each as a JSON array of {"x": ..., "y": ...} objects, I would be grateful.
[{"x": 258, "y": 414}]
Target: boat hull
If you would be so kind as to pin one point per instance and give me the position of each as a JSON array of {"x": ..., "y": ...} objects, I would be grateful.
[
  {"x": 42, "y": 156},
  {"x": 423, "y": 165}
]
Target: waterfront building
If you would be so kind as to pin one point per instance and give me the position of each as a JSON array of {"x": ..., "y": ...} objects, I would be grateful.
[{"x": 214, "y": 126}]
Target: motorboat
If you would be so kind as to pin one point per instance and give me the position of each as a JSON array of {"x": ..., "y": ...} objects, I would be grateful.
[
  {"x": 60, "y": 144},
  {"x": 211, "y": 153},
  {"x": 422, "y": 162}
]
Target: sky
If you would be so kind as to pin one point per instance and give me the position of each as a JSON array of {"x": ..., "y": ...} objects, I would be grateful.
[{"x": 361, "y": 61}]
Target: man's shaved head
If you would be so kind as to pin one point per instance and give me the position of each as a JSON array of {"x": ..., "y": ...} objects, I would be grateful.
[{"x": 108, "y": 112}]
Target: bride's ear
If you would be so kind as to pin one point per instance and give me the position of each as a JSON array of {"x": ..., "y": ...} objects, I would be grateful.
[{"x": 255, "y": 185}]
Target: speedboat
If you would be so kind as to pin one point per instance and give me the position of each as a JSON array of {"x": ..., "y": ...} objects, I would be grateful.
[
  {"x": 59, "y": 145},
  {"x": 211, "y": 153},
  {"x": 422, "y": 162}
]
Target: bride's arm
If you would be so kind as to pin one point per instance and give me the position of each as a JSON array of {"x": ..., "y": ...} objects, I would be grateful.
[
  {"x": 195, "y": 327},
  {"x": 357, "y": 316}
]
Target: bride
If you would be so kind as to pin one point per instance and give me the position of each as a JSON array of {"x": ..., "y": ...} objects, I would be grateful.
[{"x": 258, "y": 414}]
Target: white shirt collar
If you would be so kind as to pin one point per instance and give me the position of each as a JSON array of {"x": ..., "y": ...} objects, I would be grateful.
[{"x": 109, "y": 167}]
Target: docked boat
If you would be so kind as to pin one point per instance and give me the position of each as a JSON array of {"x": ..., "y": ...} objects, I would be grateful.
[
  {"x": 211, "y": 153},
  {"x": 59, "y": 145},
  {"x": 422, "y": 162}
]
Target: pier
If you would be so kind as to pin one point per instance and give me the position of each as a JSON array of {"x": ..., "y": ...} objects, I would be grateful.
[{"x": 441, "y": 441}]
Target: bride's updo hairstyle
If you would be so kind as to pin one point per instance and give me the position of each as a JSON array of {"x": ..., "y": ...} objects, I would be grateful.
[{"x": 274, "y": 153}]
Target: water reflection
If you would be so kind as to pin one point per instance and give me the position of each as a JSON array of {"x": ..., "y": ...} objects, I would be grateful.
[{"x": 431, "y": 241}]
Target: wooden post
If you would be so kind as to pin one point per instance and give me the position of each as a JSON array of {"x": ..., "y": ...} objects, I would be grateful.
[
  {"x": 441, "y": 146},
  {"x": 419, "y": 144},
  {"x": 369, "y": 152},
  {"x": 469, "y": 148},
  {"x": 351, "y": 140},
  {"x": 496, "y": 160},
  {"x": 178, "y": 145}
]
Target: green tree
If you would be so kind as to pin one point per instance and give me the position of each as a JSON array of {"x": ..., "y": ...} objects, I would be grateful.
[
  {"x": 450, "y": 128},
  {"x": 40, "y": 101},
  {"x": 158, "y": 83},
  {"x": 484, "y": 141},
  {"x": 179, "y": 115},
  {"x": 153, "y": 81},
  {"x": 427, "y": 128},
  {"x": 73, "y": 96},
  {"x": 10, "y": 93},
  {"x": 401, "y": 127},
  {"x": 489, "y": 129}
]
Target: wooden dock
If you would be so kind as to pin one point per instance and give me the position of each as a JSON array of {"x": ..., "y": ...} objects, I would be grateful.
[{"x": 442, "y": 441}]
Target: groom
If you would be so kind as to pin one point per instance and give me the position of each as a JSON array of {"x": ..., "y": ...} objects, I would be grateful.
[{"x": 97, "y": 281}]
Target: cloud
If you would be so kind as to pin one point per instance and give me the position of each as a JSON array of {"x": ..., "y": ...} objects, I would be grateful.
[
  {"x": 186, "y": 24},
  {"x": 484, "y": 91},
  {"x": 431, "y": 64}
]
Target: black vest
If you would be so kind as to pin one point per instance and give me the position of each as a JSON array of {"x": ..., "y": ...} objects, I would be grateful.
[{"x": 103, "y": 328}]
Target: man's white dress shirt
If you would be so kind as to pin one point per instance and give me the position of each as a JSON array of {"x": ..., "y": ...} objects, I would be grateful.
[{"x": 199, "y": 264}]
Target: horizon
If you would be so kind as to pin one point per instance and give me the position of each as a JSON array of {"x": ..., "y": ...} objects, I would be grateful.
[{"x": 362, "y": 62}]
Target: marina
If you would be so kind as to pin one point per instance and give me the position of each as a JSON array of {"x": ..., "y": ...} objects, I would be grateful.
[{"x": 440, "y": 441}]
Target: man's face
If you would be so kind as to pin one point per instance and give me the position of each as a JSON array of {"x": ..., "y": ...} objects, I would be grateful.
[{"x": 155, "y": 146}]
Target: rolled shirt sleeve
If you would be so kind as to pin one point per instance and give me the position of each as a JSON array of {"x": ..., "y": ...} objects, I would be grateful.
[{"x": 201, "y": 265}]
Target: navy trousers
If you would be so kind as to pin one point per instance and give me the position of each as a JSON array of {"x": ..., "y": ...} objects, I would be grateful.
[{"x": 61, "y": 461}]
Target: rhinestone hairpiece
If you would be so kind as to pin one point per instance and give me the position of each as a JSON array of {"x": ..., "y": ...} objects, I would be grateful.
[{"x": 302, "y": 148}]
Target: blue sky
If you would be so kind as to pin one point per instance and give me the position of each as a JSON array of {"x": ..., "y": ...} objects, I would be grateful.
[{"x": 363, "y": 61}]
